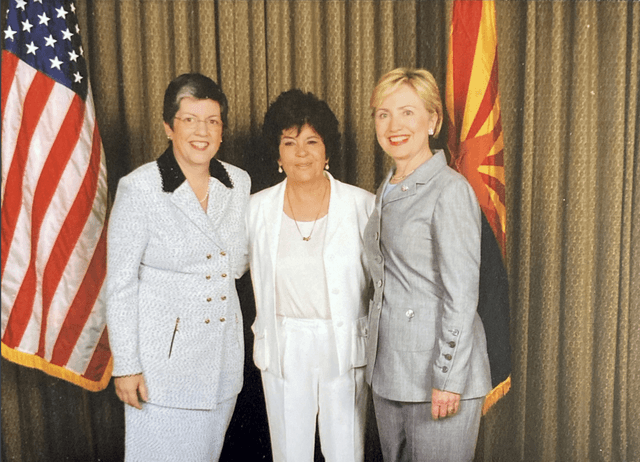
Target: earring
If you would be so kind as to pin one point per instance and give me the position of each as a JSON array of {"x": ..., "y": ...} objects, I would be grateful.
[
  {"x": 326, "y": 166},
  {"x": 279, "y": 168},
  {"x": 431, "y": 131},
  {"x": 168, "y": 137}
]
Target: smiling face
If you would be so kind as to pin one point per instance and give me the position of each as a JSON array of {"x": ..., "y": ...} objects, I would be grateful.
[
  {"x": 196, "y": 133},
  {"x": 302, "y": 155},
  {"x": 403, "y": 124}
]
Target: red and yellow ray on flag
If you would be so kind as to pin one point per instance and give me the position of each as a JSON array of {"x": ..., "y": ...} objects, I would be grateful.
[
  {"x": 473, "y": 104},
  {"x": 477, "y": 151}
]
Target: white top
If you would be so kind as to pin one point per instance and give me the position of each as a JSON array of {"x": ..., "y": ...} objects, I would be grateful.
[{"x": 301, "y": 285}]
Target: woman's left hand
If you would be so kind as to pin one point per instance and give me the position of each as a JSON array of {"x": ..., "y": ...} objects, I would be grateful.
[{"x": 444, "y": 403}]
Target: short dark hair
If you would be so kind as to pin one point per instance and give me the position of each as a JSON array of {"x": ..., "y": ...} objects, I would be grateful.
[
  {"x": 195, "y": 86},
  {"x": 294, "y": 109}
]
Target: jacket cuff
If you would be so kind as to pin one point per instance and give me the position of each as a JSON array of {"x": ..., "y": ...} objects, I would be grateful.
[{"x": 447, "y": 373}]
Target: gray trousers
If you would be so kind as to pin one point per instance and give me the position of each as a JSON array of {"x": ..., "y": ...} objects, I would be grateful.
[{"x": 408, "y": 432}]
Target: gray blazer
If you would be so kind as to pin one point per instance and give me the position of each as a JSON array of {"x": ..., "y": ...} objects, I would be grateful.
[
  {"x": 172, "y": 307},
  {"x": 423, "y": 246}
]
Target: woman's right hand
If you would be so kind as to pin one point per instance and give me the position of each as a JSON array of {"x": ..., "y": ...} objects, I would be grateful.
[{"x": 131, "y": 389}]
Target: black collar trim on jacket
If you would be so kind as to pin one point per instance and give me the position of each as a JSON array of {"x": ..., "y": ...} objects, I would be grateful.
[{"x": 172, "y": 175}]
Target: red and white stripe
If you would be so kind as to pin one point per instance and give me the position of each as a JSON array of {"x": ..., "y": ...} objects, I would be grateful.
[{"x": 54, "y": 199}]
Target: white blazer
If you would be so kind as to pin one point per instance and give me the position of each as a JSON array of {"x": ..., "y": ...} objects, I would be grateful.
[
  {"x": 172, "y": 308},
  {"x": 344, "y": 263}
]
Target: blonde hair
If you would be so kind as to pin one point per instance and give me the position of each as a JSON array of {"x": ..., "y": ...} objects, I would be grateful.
[{"x": 421, "y": 80}]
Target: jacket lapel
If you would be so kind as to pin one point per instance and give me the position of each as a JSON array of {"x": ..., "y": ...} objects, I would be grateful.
[
  {"x": 273, "y": 221},
  {"x": 335, "y": 216},
  {"x": 186, "y": 201},
  {"x": 401, "y": 191},
  {"x": 183, "y": 197},
  {"x": 380, "y": 199},
  {"x": 219, "y": 196},
  {"x": 422, "y": 175}
]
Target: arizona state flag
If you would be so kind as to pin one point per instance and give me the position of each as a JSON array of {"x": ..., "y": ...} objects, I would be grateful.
[{"x": 476, "y": 145}]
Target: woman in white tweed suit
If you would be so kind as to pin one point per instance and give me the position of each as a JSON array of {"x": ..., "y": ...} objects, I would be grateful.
[
  {"x": 176, "y": 242},
  {"x": 426, "y": 357}
]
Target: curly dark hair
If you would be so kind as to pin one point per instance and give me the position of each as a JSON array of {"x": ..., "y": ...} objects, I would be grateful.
[
  {"x": 294, "y": 108},
  {"x": 196, "y": 86}
]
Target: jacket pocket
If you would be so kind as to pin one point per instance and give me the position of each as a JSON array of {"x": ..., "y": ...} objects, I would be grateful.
[
  {"x": 411, "y": 329},
  {"x": 359, "y": 342},
  {"x": 260, "y": 350},
  {"x": 173, "y": 337}
]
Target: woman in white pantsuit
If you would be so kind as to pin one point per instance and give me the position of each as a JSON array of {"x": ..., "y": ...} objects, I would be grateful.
[
  {"x": 176, "y": 241},
  {"x": 308, "y": 273}
]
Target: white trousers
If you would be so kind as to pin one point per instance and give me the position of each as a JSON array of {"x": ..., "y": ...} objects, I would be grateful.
[{"x": 311, "y": 390}]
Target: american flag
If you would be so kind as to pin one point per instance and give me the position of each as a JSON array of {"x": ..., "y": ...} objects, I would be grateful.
[{"x": 54, "y": 199}]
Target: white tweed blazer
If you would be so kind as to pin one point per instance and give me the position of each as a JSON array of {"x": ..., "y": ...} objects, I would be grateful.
[{"x": 172, "y": 308}]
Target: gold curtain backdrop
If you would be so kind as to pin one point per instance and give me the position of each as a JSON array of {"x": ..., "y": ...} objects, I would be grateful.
[
  {"x": 569, "y": 76},
  {"x": 255, "y": 50}
]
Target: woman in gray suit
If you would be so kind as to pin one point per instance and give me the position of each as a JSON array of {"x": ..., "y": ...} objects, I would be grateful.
[
  {"x": 176, "y": 241},
  {"x": 426, "y": 356}
]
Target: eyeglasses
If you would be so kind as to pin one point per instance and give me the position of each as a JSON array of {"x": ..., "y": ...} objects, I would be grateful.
[{"x": 191, "y": 123}]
